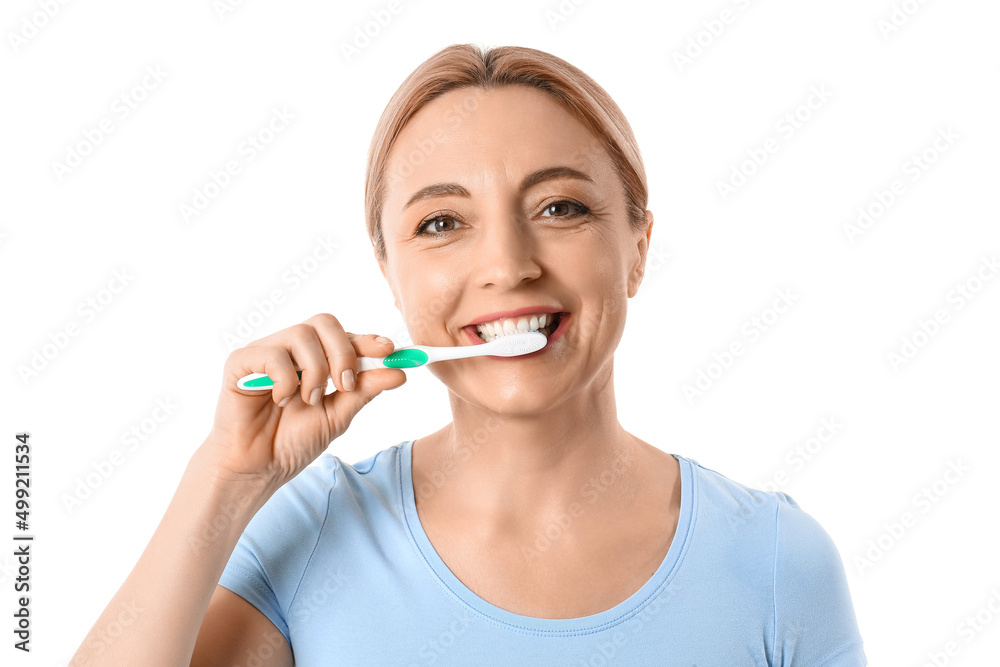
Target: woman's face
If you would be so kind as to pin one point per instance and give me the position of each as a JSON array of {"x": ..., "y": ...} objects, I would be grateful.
[{"x": 501, "y": 201}]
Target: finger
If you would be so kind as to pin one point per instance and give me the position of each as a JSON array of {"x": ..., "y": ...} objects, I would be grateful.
[
  {"x": 309, "y": 355},
  {"x": 342, "y": 407},
  {"x": 372, "y": 345},
  {"x": 339, "y": 350},
  {"x": 376, "y": 346},
  {"x": 273, "y": 361},
  {"x": 369, "y": 383}
]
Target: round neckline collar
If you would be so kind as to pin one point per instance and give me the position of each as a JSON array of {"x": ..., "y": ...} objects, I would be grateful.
[{"x": 546, "y": 626}]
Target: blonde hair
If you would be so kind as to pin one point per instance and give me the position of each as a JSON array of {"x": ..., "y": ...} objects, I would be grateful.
[{"x": 469, "y": 66}]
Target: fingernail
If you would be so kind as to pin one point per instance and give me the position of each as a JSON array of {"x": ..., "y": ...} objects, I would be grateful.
[
  {"x": 316, "y": 396},
  {"x": 383, "y": 340},
  {"x": 284, "y": 401},
  {"x": 348, "y": 379}
]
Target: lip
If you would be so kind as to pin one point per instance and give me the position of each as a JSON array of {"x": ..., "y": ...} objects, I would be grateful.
[
  {"x": 564, "y": 321},
  {"x": 527, "y": 310}
]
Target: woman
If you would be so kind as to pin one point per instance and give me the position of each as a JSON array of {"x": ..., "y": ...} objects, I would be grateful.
[{"x": 532, "y": 529}]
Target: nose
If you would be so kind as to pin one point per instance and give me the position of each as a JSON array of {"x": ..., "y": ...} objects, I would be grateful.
[{"x": 505, "y": 254}]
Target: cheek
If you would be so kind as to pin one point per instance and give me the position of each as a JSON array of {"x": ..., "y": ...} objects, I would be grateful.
[
  {"x": 417, "y": 311},
  {"x": 605, "y": 272},
  {"x": 604, "y": 298},
  {"x": 429, "y": 300},
  {"x": 582, "y": 260},
  {"x": 600, "y": 253}
]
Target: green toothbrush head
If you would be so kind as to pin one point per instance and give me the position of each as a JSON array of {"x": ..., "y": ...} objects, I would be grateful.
[{"x": 406, "y": 359}]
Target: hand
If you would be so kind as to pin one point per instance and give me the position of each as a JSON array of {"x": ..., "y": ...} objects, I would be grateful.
[{"x": 272, "y": 436}]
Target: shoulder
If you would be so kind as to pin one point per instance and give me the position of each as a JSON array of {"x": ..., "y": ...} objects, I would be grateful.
[
  {"x": 780, "y": 544},
  {"x": 797, "y": 538},
  {"x": 303, "y": 503},
  {"x": 276, "y": 550},
  {"x": 742, "y": 509},
  {"x": 815, "y": 621},
  {"x": 281, "y": 538}
]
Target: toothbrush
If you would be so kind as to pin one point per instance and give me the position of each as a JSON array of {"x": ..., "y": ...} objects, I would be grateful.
[{"x": 511, "y": 345}]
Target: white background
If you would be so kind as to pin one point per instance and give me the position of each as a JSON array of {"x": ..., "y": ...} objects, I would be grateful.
[{"x": 715, "y": 263}]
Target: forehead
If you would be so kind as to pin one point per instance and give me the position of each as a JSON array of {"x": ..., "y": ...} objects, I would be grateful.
[{"x": 478, "y": 137}]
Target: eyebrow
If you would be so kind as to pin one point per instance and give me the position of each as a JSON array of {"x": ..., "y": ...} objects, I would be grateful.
[{"x": 441, "y": 189}]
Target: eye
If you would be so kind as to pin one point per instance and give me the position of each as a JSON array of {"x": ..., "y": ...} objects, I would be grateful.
[
  {"x": 563, "y": 209},
  {"x": 444, "y": 218}
]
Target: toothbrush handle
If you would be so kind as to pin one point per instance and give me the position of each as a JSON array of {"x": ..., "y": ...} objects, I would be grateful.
[
  {"x": 370, "y": 363},
  {"x": 263, "y": 382}
]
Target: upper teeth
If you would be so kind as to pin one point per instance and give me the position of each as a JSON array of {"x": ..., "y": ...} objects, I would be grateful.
[{"x": 504, "y": 326}]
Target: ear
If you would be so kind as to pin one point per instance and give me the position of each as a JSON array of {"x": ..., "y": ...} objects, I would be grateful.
[{"x": 642, "y": 249}]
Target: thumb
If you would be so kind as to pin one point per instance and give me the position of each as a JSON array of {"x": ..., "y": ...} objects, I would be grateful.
[{"x": 342, "y": 406}]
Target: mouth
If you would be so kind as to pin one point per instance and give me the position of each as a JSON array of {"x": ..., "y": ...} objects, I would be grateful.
[{"x": 550, "y": 324}]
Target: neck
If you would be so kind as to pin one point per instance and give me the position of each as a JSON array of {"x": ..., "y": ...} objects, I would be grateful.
[{"x": 522, "y": 470}]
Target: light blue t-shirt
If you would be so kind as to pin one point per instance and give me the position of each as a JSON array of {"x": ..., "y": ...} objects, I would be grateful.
[{"x": 339, "y": 562}]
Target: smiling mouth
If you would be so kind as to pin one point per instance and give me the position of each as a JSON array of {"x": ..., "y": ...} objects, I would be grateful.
[{"x": 543, "y": 322}]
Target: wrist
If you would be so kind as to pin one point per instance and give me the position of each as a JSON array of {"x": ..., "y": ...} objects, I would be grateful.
[{"x": 226, "y": 486}]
